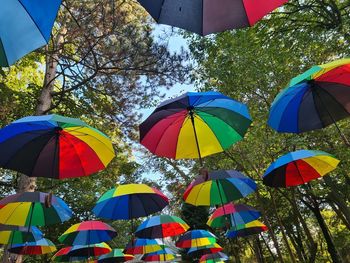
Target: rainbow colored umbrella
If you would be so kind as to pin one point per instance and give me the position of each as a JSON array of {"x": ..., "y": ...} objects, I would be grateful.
[
  {"x": 200, "y": 251},
  {"x": 206, "y": 17},
  {"x": 130, "y": 201},
  {"x": 196, "y": 238},
  {"x": 161, "y": 226},
  {"x": 54, "y": 146},
  {"x": 116, "y": 255},
  {"x": 251, "y": 228},
  {"x": 158, "y": 257},
  {"x": 19, "y": 235},
  {"x": 195, "y": 125},
  {"x": 33, "y": 209},
  {"x": 313, "y": 100},
  {"x": 220, "y": 187},
  {"x": 214, "y": 257},
  {"x": 25, "y": 26},
  {"x": 40, "y": 247},
  {"x": 87, "y": 233},
  {"x": 143, "y": 246},
  {"x": 236, "y": 213},
  {"x": 81, "y": 252},
  {"x": 299, "y": 167}
]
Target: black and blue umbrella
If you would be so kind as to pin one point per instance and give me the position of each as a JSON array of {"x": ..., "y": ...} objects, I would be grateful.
[{"x": 25, "y": 25}]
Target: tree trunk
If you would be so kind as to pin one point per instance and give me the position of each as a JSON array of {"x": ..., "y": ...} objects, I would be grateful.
[{"x": 259, "y": 253}]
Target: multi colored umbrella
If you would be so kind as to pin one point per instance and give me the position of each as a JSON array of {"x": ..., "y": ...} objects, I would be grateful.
[
  {"x": 33, "y": 209},
  {"x": 54, "y": 146},
  {"x": 130, "y": 201},
  {"x": 236, "y": 213},
  {"x": 196, "y": 238},
  {"x": 116, "y": 255},
  {"x": 220, "y": 187},
  {"x": 200, "y": 251},
  {"x": 161, "y": 226},
  {"x": 143, "y": 246},
  {"x": 40, "y": 247},
  {"x": 215, "y": 256},
  {"x": 19, "y": 235},
  {"x": 313, "y": 100},
  {"x": 195, "y": 125},
  {"x": 298, "y": 168},
  {"x": 206, "y": 17},
  {"x": 87, "y": 233},
  {"x": 81, "y": 252},
  {"x": 25, "y": 26},
  {"x": 158, "y": 257},
  {"x": 251, "y": 228}
]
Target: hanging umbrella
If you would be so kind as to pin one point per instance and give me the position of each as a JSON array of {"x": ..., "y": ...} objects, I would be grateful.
[
  {"x": 215, "y": 256},
  {"x": 19, "y": 235},
  {"x": 25, "y": 26},
  {"x": 54, "y": 146},
  {"x": 130, "y": 201},
  {"x": 161, "y": 226},
  {"x": 220, "y": 187},
  {"x": 81, "y": 252},
  {"x": 313, "y": 100},
  {"x": 206, "y": 17},
  {"x": 40, "y": 247},
  {"x": 200, "y": 251},
  {"x": 195, "y": 125},
  {"x": 298, "y": 168},
  {"x": 158, "y": 257},
  {"x": 237, "y": 213},
  {"x": 116, "y": 255},
  {"x": 251, "y": 228},
  {"x": 87, "y": 233},
  {"x": 196, "y": 238},
  {"x": 33, "y": 209},
  {"x": 143, "y": 246}
]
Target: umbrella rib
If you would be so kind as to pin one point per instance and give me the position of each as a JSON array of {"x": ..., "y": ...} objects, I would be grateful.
[{"x": 19, "y": 204}]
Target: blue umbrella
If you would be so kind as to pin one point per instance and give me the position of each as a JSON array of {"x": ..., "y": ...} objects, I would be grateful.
[{"x": 25, "y": 25}]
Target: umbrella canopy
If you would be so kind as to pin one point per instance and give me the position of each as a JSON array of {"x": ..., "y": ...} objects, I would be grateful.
[
  {"x": 143, "y": 246},
  {"x": 220, "y": 187},
  {"x": 81, "y": 252},
  {"x": 130, "y": 201},
  {"x": 251, "y": 228},
  {"x": 200, "y": 251},
  {"x": 33, "y": 209},
  {"x": 40, "y": 247},
  {"x": 116, "y": 255},
  {"x": 161, "y": 226},
  {"x": 158, "y": 257},
  {"x": 206, "y": 17},
  {"x": 19, "y": 235},
  {"x": 196, "y": 238},
  {"x": 215, "y": 256},
  {"x": 236, "y": 213},
  {"x": 194, "y": 125},
  {"x": 313, "y": 100},
  {"x": 298, "y": 168},
  {"x": 54, "y": 146},
  {"x": 86, "y": 233},
  {"x": 25, "y": 26}
]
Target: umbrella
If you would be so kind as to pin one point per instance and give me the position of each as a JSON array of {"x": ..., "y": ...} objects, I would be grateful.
[
  {"x": 206, "y": 17},
  {"x": 25, "y": 26},
  {"x": 54, "y": 146},
  {"x": 81, "y": 252},
  {"x": 158, "y": 257},
  {"x": 33, "y": 209},
  {"x": 202, "y": 250},
  {"x": 298, "y": 168},
  {"x": 251, "y": 228},
  {"x": 40, "y": 247},
  {"x": 130, "y": 201},
  {"x": 195, "y": 125},
  {"x": 116, "y": 255},
  {"x": 86, "y": 233},
  {"x": 143, "y": 246},
  {"x": 19, "y": 235},
  {"x": 196, "y": 238},
  {"x": 237, "y": 213},
  {"x": 220, "y": 187},
  {"x": 161, "y": 226},
  {"x": 313, "y": 100},
  {"x": 215, "y": 256}
]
